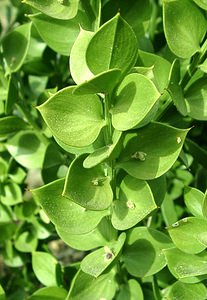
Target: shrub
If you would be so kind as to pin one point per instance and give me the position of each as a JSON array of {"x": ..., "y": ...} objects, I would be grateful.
[{"x": 108, "y": 155}]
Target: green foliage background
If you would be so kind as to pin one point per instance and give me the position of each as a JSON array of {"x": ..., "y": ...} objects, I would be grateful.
[{"x": 103, "y": 150}]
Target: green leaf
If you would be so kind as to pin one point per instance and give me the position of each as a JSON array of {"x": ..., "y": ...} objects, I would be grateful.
[
  {"x": 27, "y": 149},
  {"x": 10, "y": 125},
  {"x": 59, "y": 34},
  {"x": 175, "y": 89},
  {"x": 87, "y": 287},
  {"x": 15, "y": 56},
  {"x": 184, "y": 265},
  {"x": 49, "y": 293},
  {"x": 158, "y": 187},
  {"x": 143, "y": 252},
  {"x": 201, "y": 3},
  {"x": 180, "y": 290},
  {"x": 101, "y": 83},
  {"x": 66, "y": 214},
  {"x": 26, "y": 241},
  {"x": 152, "y": 151},
  {"x": 198, "y": 153},
  {"x": 2, "y": 294},
  {"x": 57, "y": 9},
  {"x": 64, "y": 122},
  {"x": 45, "y": 267},
  {"x": 135, "y": 203},
  {"x": 196, "y": 96},
  {"x": 189, "y": 234},
  {"x": 98, "y": 261},
  {"x": 130, "y": 291},
  {"x": 194, "y": 201},
  {"x": 3, "y": 169},
  {"x": 183, "y": 36},
  {"x": 89, "y": 188},
  {"x": 98, "y": 237},
  {"x": 114, "y": 45},
  {"x": 78, "y": 66},
  {"x": 134, "y": 99},
  {"x": 11, "y": 194},
  {"x": 7, "y": 230},
  {"x": 103, "y": 153},
  {"x": 160, "y": 68}
]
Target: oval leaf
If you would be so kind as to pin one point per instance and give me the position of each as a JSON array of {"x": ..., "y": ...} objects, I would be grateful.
[
  {"x": 63, "y": 112},
  {"x": 96, "y": 262},
  {"x": 15, "y": 56},
  {"x": 143, "y": 254},
  {"x": 113, "y": 46},
  {"x": 64, "y": 213},
  {"x": 135, "y": 97},
  {"x": 44, "y": 266},
  {"x": 180, "y": 290},
  {"x": 153, "y": 151},
  {"x": 57, "y": 9},
  {"x": 194, "y": 201},
  {"x": 89, "y": 188},
  {"x": 183, "y": 37},
  {"x": 49, "y": 293},
  {"x": 189, "y": 234},
  {"x": 136, "y": 202}
]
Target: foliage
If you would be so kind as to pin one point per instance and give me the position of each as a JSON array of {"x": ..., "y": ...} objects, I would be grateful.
[{"x": 109, "y": 154}]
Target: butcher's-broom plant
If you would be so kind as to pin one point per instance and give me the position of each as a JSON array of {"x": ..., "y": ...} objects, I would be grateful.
[{"x": 119, "y": 140}]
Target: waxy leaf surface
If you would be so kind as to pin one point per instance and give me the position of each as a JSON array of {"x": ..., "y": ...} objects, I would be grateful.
[
  {"x": 189, "y": 234},
  {"x": 152, "y": 151},
  {"x": 194, "y": 201},
  {"x": 89, "y": 188},
  {"x": 53, "y": 8},
  {"x": 135, "y": 203},
  {"x": 134, "y": 99},
  {"x": 114, "y": 45},
  {"x": 65, "y": 213},
  {"x": 143, "y": 254},
  {"x": 180, "y": 290},
  {"x": 184, "y": 27},
  {"x": 96, "y": 262},
  {"x": 74, "y": 120}
]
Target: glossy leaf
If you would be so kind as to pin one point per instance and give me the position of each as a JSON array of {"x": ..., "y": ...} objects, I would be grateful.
[
  {"x": 49, "y": 293},
  {"x": 98, "y": 237},
  {"x": 134, "y": 99},
  {"x": 182, "y": 291},
  {"x": 78, "y": 67},
  {"x": 26, "y": 241},
  {"x": 44, "y": 266},
  {"x": 135, "y": 203},
  {"x": 12, "y": 94},
  {"x": 194, "y": 201},
  {"x": 66, "y": 214},
  {"x": 11, "y": 194},
  {"x": 152, "y": 151},
  {"x": 189, "y": 234},
  {"x": 196, "y": 97},
  {"x": 87, "y": 287},
  {"x": 59, "y": 34},
  {"x": 27, "y": 149},
  {"x": 160, "y": 68},
  {"x": 114, "y": 45},
  {"x": 89, "y": 188},
  {"x": 204, "y": 206},
  {"x": 53, "y": 8},
  {"x": 15, "y": 56},
  {"x": 96, "y": 262},
  {"x": 64, "y": 122},
  {"x": 103, "y": 153},
  {"x": 130, "y": 291},
  {"x": 201, "y": 3},
  {"x": 183, "y": 37},
  {"x": 143, "y": 253},
  {"x": 184, "y": 265},
  {"x": 158, "y": 187},
  {"x": 101, "y": 83}
]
